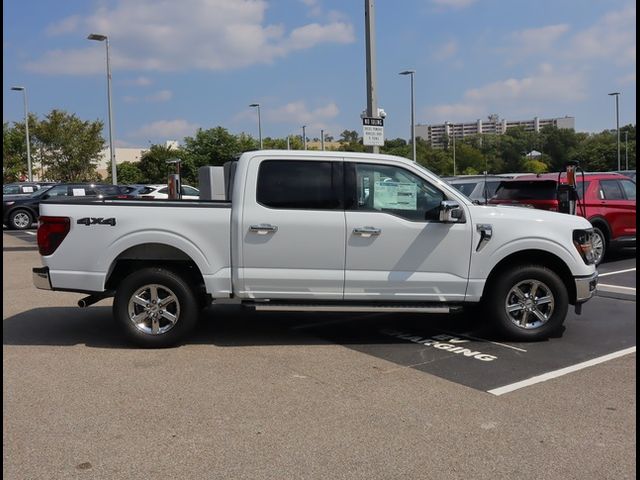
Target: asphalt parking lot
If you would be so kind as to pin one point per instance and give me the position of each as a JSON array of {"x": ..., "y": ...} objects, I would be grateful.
[{"x": 267, "y": 395}]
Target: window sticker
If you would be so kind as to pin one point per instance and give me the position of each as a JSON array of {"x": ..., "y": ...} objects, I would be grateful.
[
  {"x": 78, "y": 192},
  {"x": 395, "y": 195},
  {"x": 27, "y": 189}
]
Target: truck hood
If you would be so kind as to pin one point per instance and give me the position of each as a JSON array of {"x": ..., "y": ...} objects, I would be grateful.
[{"x": 525, "y": 215}]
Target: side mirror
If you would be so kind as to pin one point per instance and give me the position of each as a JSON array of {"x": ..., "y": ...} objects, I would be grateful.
[
  {"x": 45, "y": 196},
  {"x": 451, "y": 212}
]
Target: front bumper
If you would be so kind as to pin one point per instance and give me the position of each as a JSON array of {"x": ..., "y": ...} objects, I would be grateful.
[
  {"x": 586, "y": 287},
  {"x": 41, "y": 278}
]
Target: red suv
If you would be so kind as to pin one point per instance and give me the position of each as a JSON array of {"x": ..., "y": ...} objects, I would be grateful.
[{"x": 607, "y": 200}]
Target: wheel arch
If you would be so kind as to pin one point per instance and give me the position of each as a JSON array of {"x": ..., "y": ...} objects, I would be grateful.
[
  {"x": 153, "y": 255},
  {"x": 535, "y": 257},
  {"x": 603, "y": 225}
]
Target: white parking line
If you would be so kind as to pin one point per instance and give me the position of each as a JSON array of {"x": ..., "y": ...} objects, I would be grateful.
[
  {"x": 615, "y": 288},
  {"x": 606, "y": 274},
  {"x": 31, "y": 233},
  {"x": 558, "y": 373}
]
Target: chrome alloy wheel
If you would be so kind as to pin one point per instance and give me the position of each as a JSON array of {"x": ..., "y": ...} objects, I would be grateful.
[
  {"x": 154, "y": 309},
  {"x": 22, "y": 220},
  {"x": 529, "y": 304},
  {"x": 597, "y": 244}
]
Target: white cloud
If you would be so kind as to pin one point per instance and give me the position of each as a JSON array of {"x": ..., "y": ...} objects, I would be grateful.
[
  {"x": 138, "y": 82},
  {"x": 172, "y": 36},
  {"x": 160, "y": 96},
  {"x": 613, "y": 36},
  {"x": 298, "y": 112},
  {"x": 156, "y": 97},
  {"x": 537, "y": 40},
  {"x": 166, "y": 129},
  {"x": 546, "y": 85},
  {"x": 453, "y": 3},
  {"x": 543, "y": 90},
  {"x": 446, "y": 51}
]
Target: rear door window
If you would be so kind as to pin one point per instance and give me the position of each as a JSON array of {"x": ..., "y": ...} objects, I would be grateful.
[{"x": 311, "y": 185}]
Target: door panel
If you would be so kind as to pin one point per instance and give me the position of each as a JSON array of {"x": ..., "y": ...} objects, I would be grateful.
[
  {"x": 411, "y": 256},
  {"x": 293, "y": 231}
]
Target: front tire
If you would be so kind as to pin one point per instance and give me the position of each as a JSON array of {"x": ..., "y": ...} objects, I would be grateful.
[
  {"x": 527, "y": 303},
  {"x": 20, "y": 219},
  {"x": 156, "y": 307}
]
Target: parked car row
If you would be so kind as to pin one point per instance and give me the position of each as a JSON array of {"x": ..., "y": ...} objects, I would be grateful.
[
  {"x": 607, "y": 200},
  {"x": 21, "y": 201},
  {"x": 19, "y": 212}
]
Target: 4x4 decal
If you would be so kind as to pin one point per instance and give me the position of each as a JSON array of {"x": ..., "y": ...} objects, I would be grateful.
[{"x": 96, "y": 221}]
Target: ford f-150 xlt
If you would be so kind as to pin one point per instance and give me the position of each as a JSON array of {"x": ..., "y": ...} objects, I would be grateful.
[{"x": 322, "y": 231}]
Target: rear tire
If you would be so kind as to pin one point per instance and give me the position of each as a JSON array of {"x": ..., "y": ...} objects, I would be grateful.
[
  {"x": 527, "y": 302},
  {"x": 20, "y": 219},
  {"x": 156, "y": 308}
]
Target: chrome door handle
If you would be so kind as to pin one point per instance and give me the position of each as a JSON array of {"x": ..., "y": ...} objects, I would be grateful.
[
  {"x": 367, "y": 231},
  {"x": 263, "y": 229}
]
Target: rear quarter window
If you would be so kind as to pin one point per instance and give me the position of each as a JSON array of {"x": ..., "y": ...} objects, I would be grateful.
[{"x": 526, "y": 190}]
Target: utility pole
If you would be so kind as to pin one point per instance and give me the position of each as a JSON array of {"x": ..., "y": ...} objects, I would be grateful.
[
  {"x": 304, "y": 136},
  {"x": 370, "y": 40},
  {"x": 322, "y": 140}
]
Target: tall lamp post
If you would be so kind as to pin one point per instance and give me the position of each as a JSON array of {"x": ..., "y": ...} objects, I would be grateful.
[
  {"x": 304, "y": 136},
  {"x": 257, "y": 105},
  {"x": 626, "y": 150},
  {"x": 617, "y": 94},
  {"x": 26, "y": 128},
  {"x": 413, "y": 118},
  {"x": 103, "y": 38}
]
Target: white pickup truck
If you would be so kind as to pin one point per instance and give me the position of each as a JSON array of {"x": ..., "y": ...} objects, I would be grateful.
[{"x": 321, "y": 231}]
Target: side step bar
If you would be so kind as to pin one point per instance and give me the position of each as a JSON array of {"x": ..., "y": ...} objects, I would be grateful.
[{"x": 386, "y": 308}]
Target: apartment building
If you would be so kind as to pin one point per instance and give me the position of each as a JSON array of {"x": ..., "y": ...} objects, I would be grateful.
[{"x": 436, "y": 134}]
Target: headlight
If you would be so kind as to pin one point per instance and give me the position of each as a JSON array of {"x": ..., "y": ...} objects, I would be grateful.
[{"x": 582, "y": 239}]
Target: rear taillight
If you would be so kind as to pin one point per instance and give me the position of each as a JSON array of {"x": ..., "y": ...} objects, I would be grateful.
[{"x": 51, "y": 233}]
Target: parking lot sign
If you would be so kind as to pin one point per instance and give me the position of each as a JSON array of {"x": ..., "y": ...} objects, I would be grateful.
[{"x": 373, "y": 131}]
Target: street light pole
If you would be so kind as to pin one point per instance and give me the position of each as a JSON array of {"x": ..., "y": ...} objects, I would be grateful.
[
  {"x": 617, "y": 94},
  {"x": 626, "y": 150},
  {"x": 259, "y": 123},
  {"x": 112, "y": 152},
  {"x": 304, "y": 136},
  {"x": 413, "y": 118},
  {"x": 322, "y": 140},
  {"x": 26, "y": 128},
  {"x": 454, "y": 150}
]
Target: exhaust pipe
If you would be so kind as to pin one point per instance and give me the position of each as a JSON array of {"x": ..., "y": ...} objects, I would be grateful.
[{"x": 91, "y": 299}]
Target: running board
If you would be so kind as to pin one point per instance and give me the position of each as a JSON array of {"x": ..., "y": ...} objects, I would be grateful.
[{"x": 290, "y": 307}]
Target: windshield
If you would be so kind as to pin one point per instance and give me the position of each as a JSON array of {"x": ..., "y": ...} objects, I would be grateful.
[
  {"x": 466, "y": 188},
  {"x": 41, "y": 192}
]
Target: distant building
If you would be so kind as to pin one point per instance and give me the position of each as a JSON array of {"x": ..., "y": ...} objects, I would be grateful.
[
  {"x": 122, "y": 155},
  {"x": 435, "y": 134}
]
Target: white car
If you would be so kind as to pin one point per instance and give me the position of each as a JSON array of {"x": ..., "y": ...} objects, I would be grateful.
[{"x": 162, "y": 191}]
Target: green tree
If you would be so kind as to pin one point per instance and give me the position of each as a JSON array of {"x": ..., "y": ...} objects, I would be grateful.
[
  {"x": 153, "y": 163},
  {"x": 70, "y": 148},
  {"x": 14, "y": 152},
  {"x": 128, "y": 173},
  {"x": 216, "y": 146}
]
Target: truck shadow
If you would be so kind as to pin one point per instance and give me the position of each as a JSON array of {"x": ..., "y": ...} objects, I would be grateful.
[{"x": 233, "y": 326}]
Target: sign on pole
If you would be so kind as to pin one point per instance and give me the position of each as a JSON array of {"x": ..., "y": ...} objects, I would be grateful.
[{"x": 373, "y": 131}]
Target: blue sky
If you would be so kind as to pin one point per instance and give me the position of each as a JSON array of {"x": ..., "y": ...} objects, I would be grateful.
[{"x": 180, "y": 65}]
